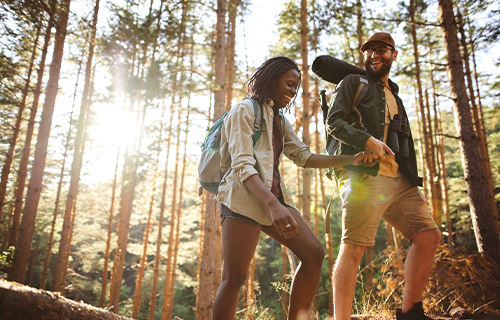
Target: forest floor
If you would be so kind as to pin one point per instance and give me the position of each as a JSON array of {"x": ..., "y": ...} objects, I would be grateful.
[{"x": 433, "y": 316}]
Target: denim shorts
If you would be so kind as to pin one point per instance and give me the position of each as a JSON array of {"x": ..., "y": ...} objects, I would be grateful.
[
  {"x": 225, "y": 212},
  {"x": 368, "y": 199}
]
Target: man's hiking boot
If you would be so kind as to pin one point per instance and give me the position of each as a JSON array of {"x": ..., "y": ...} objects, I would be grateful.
[{"x": 415, "y": 313}]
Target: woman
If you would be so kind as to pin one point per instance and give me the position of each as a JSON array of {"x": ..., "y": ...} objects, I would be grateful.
[{"x": 253, "y": 196}]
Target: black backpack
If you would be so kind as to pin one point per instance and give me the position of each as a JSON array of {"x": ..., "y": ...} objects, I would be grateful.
[{"x": 334, "y": 70}]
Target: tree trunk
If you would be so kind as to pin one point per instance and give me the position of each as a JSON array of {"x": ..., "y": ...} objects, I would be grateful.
[
  {"x": 359, "y": 32},
  {"x": 231, "y": 35},
  {"x": 23, "y": 166},
  {"x": 76, "y": 167},
  {"x": 48, "y": 252},
  {"x": 152, "y": 305},
  {"x": 9, "y": 157},
  {"x": 442, "y": 172},
  {"x": 306, "y": 112},
  {"x": 7, "y": 221},
  {"x": 179, "y": 213},
  {"x": 50, "y": 243},
  {"x": 129, "y": 182},
  {"x": 429, "y": 152},
  {"x": 284, "y": 294},
  {"x": 421, "y": 150},
  {"x": 104, "y": 282},
  {"x": 437, "y": 196},
  {"x": 219, "y": 100},
  {"x": 444, "y": 179},
  {"x": 200, "y": 251},
  {"x": 209, "y": 270},
  {"x": 23, "y": 244},
  {"x": 171, "y": 237},
  {"x": 145, "y": 242},
  {"x": 479, "y": 126},
  {"x": 481, "y": 122},
  {"x": 482, "y": 219},
  {"x": 22, "y": 302}
]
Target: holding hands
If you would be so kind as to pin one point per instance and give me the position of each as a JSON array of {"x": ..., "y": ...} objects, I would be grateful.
[{"x": 375, "y": 151}]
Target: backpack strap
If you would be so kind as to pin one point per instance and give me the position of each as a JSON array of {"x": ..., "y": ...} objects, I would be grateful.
[
  {"x": 360, "y": 95},
  {"x": 257, "y": 126}
]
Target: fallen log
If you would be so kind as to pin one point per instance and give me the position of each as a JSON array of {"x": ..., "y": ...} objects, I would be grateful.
[{"x": 19, "y": 302}]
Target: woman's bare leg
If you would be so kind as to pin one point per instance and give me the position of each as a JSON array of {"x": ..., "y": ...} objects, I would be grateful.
[
  {"x": 239, "y": 240},
  {"x": 310, "y": 252}
]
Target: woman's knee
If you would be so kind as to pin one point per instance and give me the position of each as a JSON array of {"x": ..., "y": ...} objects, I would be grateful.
[
  {"x": 234, "y": 279},
  {"x": 315, "y": 255}
]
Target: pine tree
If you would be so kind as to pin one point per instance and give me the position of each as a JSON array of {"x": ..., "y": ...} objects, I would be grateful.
[
  {"x": 23, "y": 244},
  {"x": 486, "y": 234}
]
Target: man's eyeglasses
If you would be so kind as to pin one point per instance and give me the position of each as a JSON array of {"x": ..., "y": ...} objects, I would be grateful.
[{"x": 380, "y": 51}]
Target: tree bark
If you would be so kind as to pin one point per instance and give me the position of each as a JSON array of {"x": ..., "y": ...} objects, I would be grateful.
[
  {"x": 145, "y": 241},
  {"x": 437, "y": 196},
  {"x": 23, "y": 166},
  {"x": 76, "y": 167},
  {"x": 481, "y": 117},
  {"x": 19, "y": 302},
  {"x": 429, "y": 152},
  {"x": 104, "y": 283},
  {"x": 359, "y": 32},
  {"x": 478, "y": 125},
  {"x": 179, "y": 214},
  {"x": 48, "y": 252},
  {"x": 173, "y": 220},
  {"x": 231, "y": 35},
  {"x": 485, "y": 232},
  {"x": 306, "y": 112},
  {"x": 9, "y": 156},
  {"x": 23, "y": 245},
  {"x": 209, "y": 270}
]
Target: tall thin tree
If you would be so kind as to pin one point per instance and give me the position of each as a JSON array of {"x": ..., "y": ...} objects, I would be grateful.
[
  {"x": 23, "y": 244},
  {"x": 482, "y": 219},
  {"x": 23, "y": 166},
  {"x": 76, "y": 166},
  {"x": 207, "y": 285},
  {"x": 9, "y": 156}
]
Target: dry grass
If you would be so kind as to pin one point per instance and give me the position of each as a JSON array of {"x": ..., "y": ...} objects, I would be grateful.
[{"x": 468, "y": 281}]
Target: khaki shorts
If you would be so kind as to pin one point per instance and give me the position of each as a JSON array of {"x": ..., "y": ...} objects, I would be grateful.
[{"x": 368, "y": 199}]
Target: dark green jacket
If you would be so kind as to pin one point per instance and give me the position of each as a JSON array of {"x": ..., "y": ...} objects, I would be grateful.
[{"x": 343, "y": 123}]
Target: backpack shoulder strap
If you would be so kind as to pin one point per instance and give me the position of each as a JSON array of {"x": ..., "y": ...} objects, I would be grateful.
[
  {"x": 360, "y": 95},
  {"x": 257, "y": 125}
]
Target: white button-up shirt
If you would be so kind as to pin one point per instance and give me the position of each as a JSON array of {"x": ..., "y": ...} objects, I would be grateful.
[{"x": 245, "y": 160}]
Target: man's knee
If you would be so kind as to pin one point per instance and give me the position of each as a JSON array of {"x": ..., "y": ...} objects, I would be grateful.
[
  {"x": 351, "y": 252},
  {"x": 430, "y": 238}
]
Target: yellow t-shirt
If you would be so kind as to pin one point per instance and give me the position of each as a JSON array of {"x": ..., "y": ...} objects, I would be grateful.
[{"x": 389, "y": 166}]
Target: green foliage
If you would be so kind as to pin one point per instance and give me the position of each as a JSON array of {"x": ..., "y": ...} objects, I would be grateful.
[{"x": 6, "y": 257}]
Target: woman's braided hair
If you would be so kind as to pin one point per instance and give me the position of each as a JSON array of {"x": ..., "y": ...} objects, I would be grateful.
[{"x": 264, "y": 78}]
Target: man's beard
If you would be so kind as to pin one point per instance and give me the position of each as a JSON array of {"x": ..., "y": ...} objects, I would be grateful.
[{"x": 380, "y": 73}]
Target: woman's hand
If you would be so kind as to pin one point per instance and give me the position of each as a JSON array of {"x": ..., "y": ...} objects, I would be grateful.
[
  {"x": 363, "y": 157},
  {"x": 379, "y": 151},
  {"x": 283, "y": 220}
]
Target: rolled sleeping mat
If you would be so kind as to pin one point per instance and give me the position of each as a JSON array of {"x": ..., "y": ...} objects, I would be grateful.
[{"x": 332, "y": 69}]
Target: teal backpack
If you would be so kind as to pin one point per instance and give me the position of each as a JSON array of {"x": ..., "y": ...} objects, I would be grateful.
[{"x": 209, "y": 172}]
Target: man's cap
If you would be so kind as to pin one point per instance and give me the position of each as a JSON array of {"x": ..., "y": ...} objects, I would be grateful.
[{"x": 380, "y": 37}]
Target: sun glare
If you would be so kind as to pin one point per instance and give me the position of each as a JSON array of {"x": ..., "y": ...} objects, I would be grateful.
[{"x": 114, "y": 127}]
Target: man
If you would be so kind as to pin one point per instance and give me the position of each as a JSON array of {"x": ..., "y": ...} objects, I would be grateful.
[{"x": 386, "y": 188}]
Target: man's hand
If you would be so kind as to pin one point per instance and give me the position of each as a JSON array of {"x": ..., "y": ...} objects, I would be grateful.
[{"x": 379, "y": 149}]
